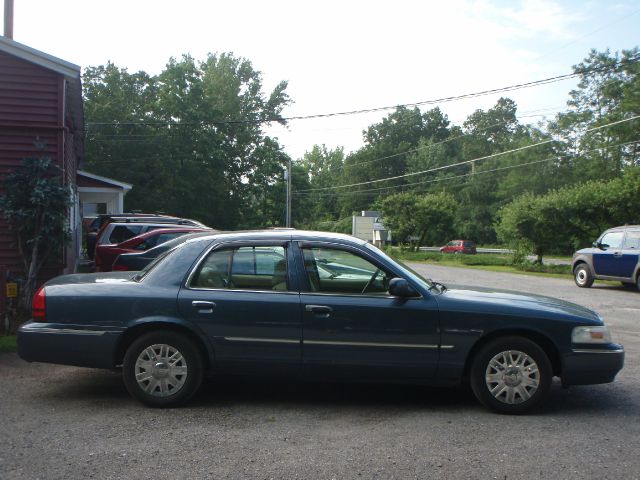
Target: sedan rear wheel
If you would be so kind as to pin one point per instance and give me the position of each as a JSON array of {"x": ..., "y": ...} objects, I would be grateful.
[
  {"x": 511, "y": 375},
  {"x": 162, "y": 369},
  {"x": 582, "y": 276}
]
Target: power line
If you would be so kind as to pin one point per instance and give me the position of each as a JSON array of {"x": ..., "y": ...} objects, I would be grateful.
[
  {"x": 426, "y": 147},
  {"x": 116, "y": 137},
  {"x": 423, "y": 182},
  {"x": 96, "y": 136},
  {"x": 443, "y": 167},
  {"x": 535, "y": 83}
]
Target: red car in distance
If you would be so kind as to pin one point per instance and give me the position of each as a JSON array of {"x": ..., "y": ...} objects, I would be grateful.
[
  {"x": 459, "y": 246},
  {"x": 107, "y": 254}
]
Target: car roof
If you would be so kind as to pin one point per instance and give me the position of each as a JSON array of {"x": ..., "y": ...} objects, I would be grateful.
[
  {"x": 621, "y": 227},
  {"x": 173, "y": 229},
  {"x": 281, "y": 234},
  {"x": 150, "y": 224}
]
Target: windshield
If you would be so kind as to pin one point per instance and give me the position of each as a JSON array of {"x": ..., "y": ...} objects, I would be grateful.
[{"x": 407, "y": 271}]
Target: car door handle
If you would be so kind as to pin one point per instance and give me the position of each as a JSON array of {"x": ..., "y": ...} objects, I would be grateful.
[
  {"x": 617, "y": 254},
  {"x": 203, "y": 307},
  {"x": 323, "y": 310}
]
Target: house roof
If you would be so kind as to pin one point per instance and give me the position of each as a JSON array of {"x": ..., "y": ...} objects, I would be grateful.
[
  {"x": 37, "y": 57},
  {"x": 108, "y": 182}
]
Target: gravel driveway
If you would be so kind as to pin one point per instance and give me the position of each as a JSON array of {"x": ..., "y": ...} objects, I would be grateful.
[{"x": 72, "y": 423}]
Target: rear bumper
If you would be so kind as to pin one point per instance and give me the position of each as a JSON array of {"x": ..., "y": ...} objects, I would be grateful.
[
  {"x": 587, "y": 366},
  {"x": 68, "y": 344}
]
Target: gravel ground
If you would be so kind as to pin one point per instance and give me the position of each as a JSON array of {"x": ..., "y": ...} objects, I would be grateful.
[{"x": 68, "y": 423}]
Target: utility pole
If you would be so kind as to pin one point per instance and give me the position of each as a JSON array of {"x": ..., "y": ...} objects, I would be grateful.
[
  {"x": 287, "y": 177},
  {"x": 8, "y": 19}
]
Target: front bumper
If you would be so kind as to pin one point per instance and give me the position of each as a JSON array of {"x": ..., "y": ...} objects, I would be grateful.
[
  {"x": 68, "y": 344},
  {"x": 587, "y": 366}
]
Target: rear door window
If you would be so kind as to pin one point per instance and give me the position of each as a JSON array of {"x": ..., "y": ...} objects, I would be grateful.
[
  {"x": 632, "y": 240},
  {"x": 244, "y": 268}
]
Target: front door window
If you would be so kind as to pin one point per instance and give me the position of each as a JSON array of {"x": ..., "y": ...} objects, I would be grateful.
[{"x": 337, "y": 271}]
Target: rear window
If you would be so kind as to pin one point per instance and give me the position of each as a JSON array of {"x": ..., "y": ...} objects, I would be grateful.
[
  {"x": 150, "y": 266},
  {"x": 469, "y": 244}
]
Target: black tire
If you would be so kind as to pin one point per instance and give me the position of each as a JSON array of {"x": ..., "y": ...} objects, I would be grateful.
[
  {"x": 517, "y": 388},
  {"x": 629, "y": 285},
  {"x": 167, "y": 383},
  {"x": 582, "y": 276}
]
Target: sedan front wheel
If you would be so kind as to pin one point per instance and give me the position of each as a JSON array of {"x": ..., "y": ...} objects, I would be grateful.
[
  {"x": 511, "y": 375},
  {"x": 162, "y": 369}
]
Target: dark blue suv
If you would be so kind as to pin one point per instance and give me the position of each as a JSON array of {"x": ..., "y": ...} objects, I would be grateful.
[{"x": 614, "y": 256}]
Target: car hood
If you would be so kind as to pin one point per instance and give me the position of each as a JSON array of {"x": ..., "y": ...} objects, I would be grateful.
[
  {"x": 583, "y": 250},
  {"x": 101, "y": 277},
  {"x": 507, "y": 301}
]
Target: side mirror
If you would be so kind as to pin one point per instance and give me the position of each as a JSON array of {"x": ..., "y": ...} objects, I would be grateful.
[{"x": 399, "y": 287}]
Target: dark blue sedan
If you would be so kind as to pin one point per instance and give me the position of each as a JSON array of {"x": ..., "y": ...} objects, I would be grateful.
[{"x": 311, "y": 304}]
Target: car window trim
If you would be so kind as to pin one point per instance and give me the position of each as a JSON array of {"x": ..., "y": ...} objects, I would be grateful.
[
  {"x": 306, "y": 287},
  {"x": 235, "y": 244}
]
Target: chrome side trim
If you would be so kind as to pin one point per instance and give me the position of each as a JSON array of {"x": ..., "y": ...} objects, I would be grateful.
[
  {"x": 597, "y": 350},
  {"x": 262, "y": 340},
  {"x": 370, "y": 344},
  {"x": 354, "y": 295},
  {"x": 63, "y": 331},
  {"x": 447, "y": 347},
  {"x": 279, "y": 292}
]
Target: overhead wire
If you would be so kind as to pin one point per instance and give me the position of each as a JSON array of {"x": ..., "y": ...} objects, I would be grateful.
[
  {"x": 435, "y": 180},
  {"x": 444, "y": 167},
  {"x": 100, "y": 138},
  {"x": 492, "y": 91}
]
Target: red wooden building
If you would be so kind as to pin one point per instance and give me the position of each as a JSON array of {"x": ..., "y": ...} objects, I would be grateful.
[{"x": 40, "y": 115}]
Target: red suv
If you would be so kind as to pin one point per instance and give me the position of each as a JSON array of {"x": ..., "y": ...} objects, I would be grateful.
[{"x": 459, "y": 246}]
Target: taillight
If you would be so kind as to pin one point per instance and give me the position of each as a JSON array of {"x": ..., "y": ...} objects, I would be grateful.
[
  {"x": 38, "y": 306},
  {"x": 120, "y": 268}
]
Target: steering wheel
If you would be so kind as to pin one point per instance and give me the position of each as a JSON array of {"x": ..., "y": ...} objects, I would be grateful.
[{"x": 370, "y": 282}]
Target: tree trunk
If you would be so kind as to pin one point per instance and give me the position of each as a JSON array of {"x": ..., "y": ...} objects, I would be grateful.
[{"x": 28, "y": 289}]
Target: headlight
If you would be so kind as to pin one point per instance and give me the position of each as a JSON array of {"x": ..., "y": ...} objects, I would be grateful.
[{"x": 599, "y": 334}]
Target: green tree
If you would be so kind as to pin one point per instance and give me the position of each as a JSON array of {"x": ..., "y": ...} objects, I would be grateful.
[
  {"x": 570, "y": 217},
  {"x": 419, "y": 219},
  {"x": 190, "y": 139},
  {"x": 608, "y": 91},
  {"x": 35, "y": 205},
  {"x": 323, "y": 168}
]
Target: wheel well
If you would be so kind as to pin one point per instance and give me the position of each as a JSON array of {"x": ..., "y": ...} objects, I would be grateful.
[
  {"x": 130, "y": 335},
  {"x": 538, "y": 338},
  {"x": 578, "y": 263}
]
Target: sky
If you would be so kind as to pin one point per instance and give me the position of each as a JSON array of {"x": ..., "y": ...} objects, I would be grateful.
[{"x": 347, "y": 55}]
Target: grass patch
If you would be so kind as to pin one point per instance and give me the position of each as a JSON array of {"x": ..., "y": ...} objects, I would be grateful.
[
  {"x": 8, "y": 344},
  {"x": 484, "y": 261}
]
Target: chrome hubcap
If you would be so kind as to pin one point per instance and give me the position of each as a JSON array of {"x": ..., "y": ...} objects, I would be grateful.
[
  {"x": 581, "y": 276},
  {"x": 512, "y": 377},
  {"x": 161, "y": 370}
]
